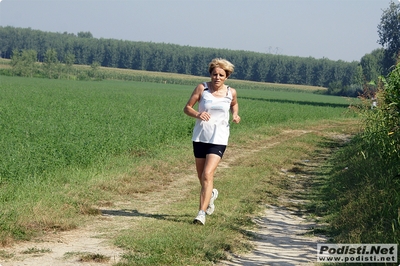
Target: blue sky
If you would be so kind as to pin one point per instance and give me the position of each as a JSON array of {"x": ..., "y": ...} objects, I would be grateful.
[{"x": 335, "y": 29}]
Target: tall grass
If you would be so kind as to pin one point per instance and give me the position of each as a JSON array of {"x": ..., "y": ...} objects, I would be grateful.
[{"x": 362, "y": 192}]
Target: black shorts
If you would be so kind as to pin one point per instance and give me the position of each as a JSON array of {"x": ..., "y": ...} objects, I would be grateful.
[{"x": 201, "y": 149}]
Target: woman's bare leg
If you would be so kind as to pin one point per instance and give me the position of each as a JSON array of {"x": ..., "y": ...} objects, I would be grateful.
[{"x": 205, "y": 173}]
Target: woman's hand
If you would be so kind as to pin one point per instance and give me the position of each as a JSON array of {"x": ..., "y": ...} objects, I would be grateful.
[
  {"x": 236, "y": 119},
  {"x": 204, "y": 116}
]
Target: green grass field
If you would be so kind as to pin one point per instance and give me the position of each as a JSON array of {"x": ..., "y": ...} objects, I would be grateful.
[
  {"x": 68, "y": 146},
  {"x": 48, "y": 125}
]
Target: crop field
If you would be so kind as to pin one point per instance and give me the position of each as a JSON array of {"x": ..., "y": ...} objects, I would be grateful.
[{"x": 48, "y": 125}]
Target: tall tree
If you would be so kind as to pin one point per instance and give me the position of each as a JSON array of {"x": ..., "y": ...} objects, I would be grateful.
[
  {"x": 389, "y": 33},
  {"x": 372, "y": 65},
  {"x": 69, "y": 60},
  {"x": 175, "y": 58},
  {"x": 111, "y": 50},
  {"x": 51, "y": 63},
  {"x": 87, "y": 34},
  {"x": 23, "y": 62}
]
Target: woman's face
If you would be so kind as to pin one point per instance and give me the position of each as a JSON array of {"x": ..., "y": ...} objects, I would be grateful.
[{"x": 218, "y": 76}]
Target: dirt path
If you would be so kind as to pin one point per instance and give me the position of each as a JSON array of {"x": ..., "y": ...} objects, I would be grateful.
[
  {"x": 284, "y": 233},
  {"x": 282, "y": 238}
]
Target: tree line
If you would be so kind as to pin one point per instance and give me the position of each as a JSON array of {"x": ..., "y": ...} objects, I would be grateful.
[
  {"x": 176, "y": 58},
  {"x": 340, "y": 77}
]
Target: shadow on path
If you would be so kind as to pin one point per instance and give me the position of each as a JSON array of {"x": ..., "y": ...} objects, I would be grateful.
[{"x": 135, "y": 213}]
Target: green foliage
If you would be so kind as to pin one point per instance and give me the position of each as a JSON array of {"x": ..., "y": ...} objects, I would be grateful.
[
  {"x": 51, "y": 64},
  {"x": 69, "y": 60},
  {"x": 23, "y": 62},
  {"x": 362, "y": 194},
  {"x": 95, "y": 72},
  {"x": 362, "y": 197},
  {"x": 83, "y": 34},
  {"x": 372, "y": 66},
  {"x": 336, "y": 88},
  {"x": 382, "y": 131},
  {"x": 389, "y": 34},
  {"x": 171, "y": 58}
]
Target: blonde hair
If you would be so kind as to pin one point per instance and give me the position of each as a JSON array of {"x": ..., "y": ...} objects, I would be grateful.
[{"x": 221, "y": 63}]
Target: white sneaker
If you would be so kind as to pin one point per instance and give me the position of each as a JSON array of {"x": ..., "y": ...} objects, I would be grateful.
[
  {"x": 211, "y": 206},
  {"x": 200, "y": 218}
]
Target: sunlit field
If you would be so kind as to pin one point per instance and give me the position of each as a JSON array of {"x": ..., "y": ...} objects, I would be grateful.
[{"x": 47, "y": 125}]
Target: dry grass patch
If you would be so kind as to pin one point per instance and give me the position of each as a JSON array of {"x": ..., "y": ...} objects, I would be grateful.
[
  {"x": 87, "y": 257},
  {"x": 94, "y": 257},
  {"x": 36, "y": 250},
  {"x": 6, "y": 255}
]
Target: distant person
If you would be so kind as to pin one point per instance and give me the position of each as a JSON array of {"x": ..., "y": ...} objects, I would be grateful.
[
  {"x": 211, "y": 131},
  {"x": 374, "y": 103}
]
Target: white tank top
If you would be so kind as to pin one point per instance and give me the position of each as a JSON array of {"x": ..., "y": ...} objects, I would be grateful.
[{"x": 216, "y": 130}]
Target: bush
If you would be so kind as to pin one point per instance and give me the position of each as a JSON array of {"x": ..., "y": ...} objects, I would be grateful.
[
  {"x": 363, "y": 193},
  {"x": 382, "y": 130}
]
